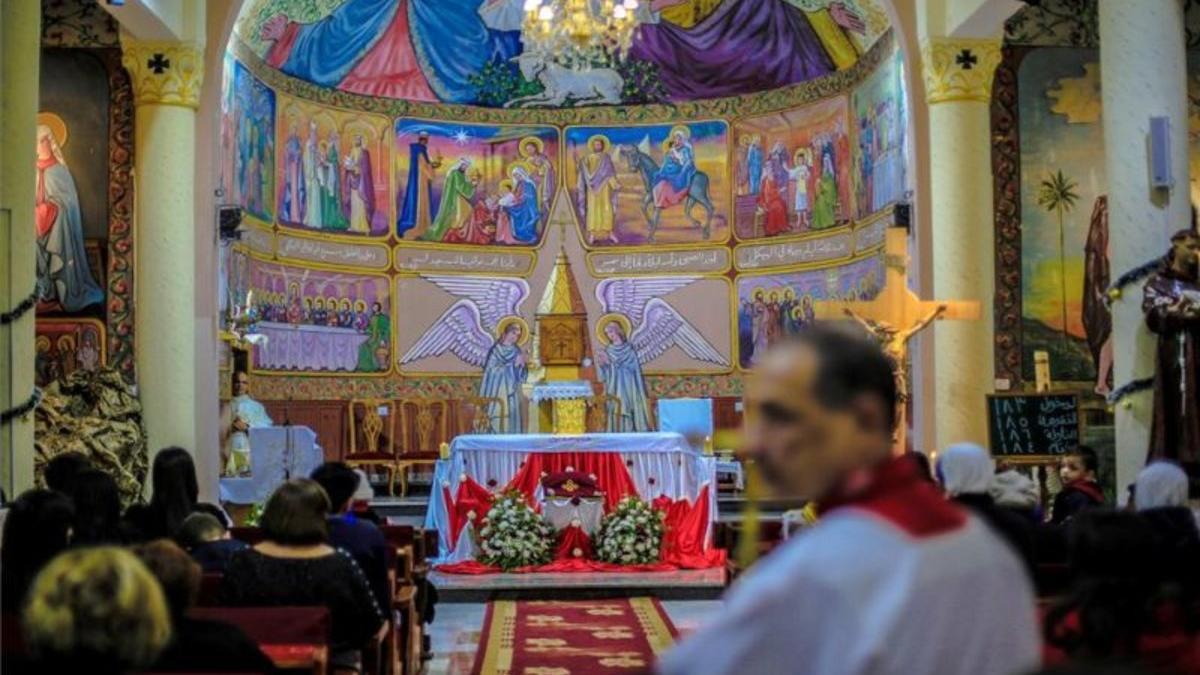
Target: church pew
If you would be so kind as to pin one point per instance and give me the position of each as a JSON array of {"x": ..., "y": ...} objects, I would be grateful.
[{"x": 295, "y": 638}]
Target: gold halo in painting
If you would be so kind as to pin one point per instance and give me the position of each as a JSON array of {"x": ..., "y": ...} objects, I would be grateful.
[
  {"x": 58, "y": 128},
  {"x": 626, "y": 326},
  {"x": 360, "y": 305},
  {"x": 801, "y": 153},
  {"x": 680, "y": 129},
  {"x": 530, "y": 140},
  {"x": 789, "y": 293},
  {"x": 603, "y": 139},
  {"x": 506, "y": 184},
  {"x": 524, "y": 165},
  {"x": 507, "y": 321}
]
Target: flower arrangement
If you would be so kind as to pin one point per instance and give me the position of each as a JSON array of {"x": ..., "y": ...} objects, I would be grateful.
[
  {"x": 513, "y": 535},
  {"x": 631, "y": 534}
]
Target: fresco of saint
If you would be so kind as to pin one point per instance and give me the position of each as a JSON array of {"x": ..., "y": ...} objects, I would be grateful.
[
  {"x": 360, "y": 188},
  {"x": 62, "y": 265},
  {"x": 598, "y": 185},
  {"x": 455, "y": 207}
]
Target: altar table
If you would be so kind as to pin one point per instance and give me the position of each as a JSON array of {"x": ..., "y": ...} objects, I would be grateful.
[
  {"x": 276, "y": 454},
  {"x": 659, "y": 464},
  {"x": 307, "y": 347}
]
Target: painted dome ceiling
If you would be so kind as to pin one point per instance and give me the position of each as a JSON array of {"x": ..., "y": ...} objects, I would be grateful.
[{"x": 458, "y": 51}]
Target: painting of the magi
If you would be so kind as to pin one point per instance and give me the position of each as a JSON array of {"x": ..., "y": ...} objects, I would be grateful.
[
  {"x": 649, "y": 184},
  {"x": 333, "y": 170},
  {"x": 476, "y": 185},
  {"x": 318, "y": 321}
]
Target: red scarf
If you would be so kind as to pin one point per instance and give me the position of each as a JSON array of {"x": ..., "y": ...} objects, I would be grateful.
[{"x": 895, "y": 491}]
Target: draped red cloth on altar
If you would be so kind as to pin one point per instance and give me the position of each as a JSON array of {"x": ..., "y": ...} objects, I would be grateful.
[
  {"x": 571, "y": 540},
  {"x": 685, "y": 530},
  {"x": 471, "y": 497},
  {"x": 608, "y": 467}
]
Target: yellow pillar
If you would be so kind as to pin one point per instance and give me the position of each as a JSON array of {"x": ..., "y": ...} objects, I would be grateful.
[
  {"x": 958, "y": 85},
  {"x": 20, "y": 53},
  {"x": 166, "y": 82},
  {"x": 1143, "y": 73}
]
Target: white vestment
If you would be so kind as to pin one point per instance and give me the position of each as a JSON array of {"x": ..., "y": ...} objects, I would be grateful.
[
  {"x": 254, "y": 415},
  {"x": 858, "y": 594}
]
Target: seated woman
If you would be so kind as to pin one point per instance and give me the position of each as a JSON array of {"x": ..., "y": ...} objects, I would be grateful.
[
  {"x": 174, "y": 496},
  {"x": 294, "y": 565},
  {"x": 37, "y": 528}
]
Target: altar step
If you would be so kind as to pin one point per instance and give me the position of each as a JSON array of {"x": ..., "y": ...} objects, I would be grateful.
[{"x": 677, "y": 585}]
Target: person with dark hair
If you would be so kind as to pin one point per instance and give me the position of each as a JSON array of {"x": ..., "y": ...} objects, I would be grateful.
[
  {"x": 295, "y": 565},
  {"x": 1080, "y": 490},
  {"x": 196, "y": 645},
  {"x": 889, "y": 563},
  {"x": 174, "y": 496},
  {"x": 207, "y": 540},
  {"x": 1122, "y": 606},
  {"x": 347, "y": 531},
  {"x": 61, "y": 470},
  {"x": 37, "y": 528},
  {"x": 97, "y": 509}
]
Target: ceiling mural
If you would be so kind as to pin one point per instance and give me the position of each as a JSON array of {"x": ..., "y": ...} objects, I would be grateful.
[{"x": 471, "y": 51}]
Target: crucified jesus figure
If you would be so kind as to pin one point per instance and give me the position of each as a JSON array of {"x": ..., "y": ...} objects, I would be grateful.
[{"x": 895, "y": 343}]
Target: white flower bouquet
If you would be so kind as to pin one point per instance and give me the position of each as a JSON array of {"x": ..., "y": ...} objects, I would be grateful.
[
  {"x": 513, "y": 535},
  {"x": 631, "y": 534}
]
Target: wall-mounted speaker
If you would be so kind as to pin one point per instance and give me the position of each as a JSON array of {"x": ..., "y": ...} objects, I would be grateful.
[
  {"x": 902, "y": 215},
  {"x": 229, "y": 219},
  {"x": 1160, "y": 153}
]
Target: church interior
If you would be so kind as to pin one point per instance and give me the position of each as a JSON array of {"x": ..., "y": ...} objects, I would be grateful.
[{"x": 599, "y": 336}]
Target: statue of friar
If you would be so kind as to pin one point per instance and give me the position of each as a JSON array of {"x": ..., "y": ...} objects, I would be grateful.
[{"x": 1171, "y": 303}]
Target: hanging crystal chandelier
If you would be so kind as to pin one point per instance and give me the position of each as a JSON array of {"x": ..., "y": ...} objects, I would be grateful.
[{"x": 580, "y": 34}]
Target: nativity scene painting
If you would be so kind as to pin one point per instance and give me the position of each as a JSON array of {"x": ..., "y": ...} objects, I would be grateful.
[
  {"x": 333, "y": 170},
  {"x": 637, "y": 185},
  {"x": 318, "y": 321},
  {"x": 474, "y": 184},
  {"x": 772, "y": 307},
  {"x": 472, "y": 51},
  {"x": 792, "y": 171}
]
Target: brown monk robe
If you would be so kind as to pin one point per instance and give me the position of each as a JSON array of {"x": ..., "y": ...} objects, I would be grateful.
[{"x": 1172, "y": 306}]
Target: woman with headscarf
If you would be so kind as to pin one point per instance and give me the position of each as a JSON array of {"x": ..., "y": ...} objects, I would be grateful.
[
  {"x": 1161, "y": 498},
  {"x": 965, "y": 471}
]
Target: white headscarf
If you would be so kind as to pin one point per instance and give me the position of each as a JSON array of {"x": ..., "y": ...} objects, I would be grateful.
[
  {"x": 1013, "y": 489},
  {"x": 965, "y": 469},
  {"x": 1161, "y": 484},
  {"x": 364, "y": 491}
]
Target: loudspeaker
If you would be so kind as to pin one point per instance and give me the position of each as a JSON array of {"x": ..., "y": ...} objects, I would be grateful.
[
  {"x": 902, "y": 215},
  {"x": 229, "y": 219},
  {"x": 1160, "y": 153}
]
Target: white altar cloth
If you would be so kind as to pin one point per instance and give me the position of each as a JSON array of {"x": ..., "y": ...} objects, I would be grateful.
[
  {"x": 304, "y": 347},
  {"x": 276, "y": 454},
  {"x": 659, "y": 464}
]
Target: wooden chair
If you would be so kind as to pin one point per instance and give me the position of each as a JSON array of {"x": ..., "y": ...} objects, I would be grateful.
[
  {"x": 373, "y": 425},
  {"x": 477, "y": 410},
  {"x": 424, "y": 424},
  {"x": 598, "y": 409}
]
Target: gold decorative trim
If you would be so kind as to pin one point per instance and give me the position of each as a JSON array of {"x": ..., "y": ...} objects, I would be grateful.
[
  {"x": 164, "y": 73},
  {"x": 959, "y": 69}
]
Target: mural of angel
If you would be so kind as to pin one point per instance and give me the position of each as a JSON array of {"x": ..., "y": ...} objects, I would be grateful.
[
  {"x": 483, "y": 328},
  {"x": 639, "y": 326}
]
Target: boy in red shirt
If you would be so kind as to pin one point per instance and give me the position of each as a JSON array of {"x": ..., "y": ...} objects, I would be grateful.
[{"x": 1080, "y": 490}]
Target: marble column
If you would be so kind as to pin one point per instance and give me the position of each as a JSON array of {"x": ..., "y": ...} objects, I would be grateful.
[
  {"x": 166, "y": 81},
  {"x": 958, "y": 85},
  {"x": 1143, "y": 73},
  {"x": 20, "y": 54}
]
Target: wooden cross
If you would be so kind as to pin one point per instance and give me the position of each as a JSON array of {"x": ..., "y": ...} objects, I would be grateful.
[{"x": 896, "y": 314}]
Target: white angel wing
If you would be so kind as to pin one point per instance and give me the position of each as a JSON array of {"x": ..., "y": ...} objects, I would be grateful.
[
  {"x": 495, "y": 298},
  {"x": 664, "y": 328},
  {"x": 458, "y": 331},
  {"x": 629, "y": 295}
]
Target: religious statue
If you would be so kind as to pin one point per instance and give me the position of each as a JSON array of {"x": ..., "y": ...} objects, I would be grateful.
[
  {"x": 895, "y": 342},
  {"x": 62, "y": 264},
  {"x": 1171, "y": 303},
  {"x": 240, "y": 416},
  {"x": 596, "y": 193}
]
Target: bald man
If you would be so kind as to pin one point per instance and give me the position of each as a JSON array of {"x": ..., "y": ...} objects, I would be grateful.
[{"x": 893, "y": 579}]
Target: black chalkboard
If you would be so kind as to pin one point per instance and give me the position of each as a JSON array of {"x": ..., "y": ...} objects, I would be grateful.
[{"x": 1030, "y": 425}]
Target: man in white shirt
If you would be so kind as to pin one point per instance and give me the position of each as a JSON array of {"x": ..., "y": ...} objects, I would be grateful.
[
  {"x": 238, "y": 417},
  {"x": 893, "y": 579}
]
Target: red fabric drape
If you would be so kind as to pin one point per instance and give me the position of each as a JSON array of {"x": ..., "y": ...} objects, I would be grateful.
[
  {"x": 685, "y": 529},
  {"x": 570, "y": 539},
  {"x": 610, "y": 471},
  {"x": 471, "y": 497}
]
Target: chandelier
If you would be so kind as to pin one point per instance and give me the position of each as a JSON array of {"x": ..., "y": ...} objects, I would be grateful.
[{"x": 580, "y": 34}]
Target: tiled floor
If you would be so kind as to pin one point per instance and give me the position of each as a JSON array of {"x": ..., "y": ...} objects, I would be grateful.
[{"x": 456, "y": 629}]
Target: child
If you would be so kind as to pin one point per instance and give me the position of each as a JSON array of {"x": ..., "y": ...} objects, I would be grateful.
[
  {"x": 205, "y": 538},
  {"x": 1080, "y": 490}
]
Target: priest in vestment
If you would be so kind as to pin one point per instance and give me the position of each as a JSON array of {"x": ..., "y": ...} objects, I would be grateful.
[
  {"x": 455, "y": 207},
  {"x": 244, "y": 414},
  {"x": 597, "y": 187},
  {"x": 418, "y": 193},
  {"x": 1171, "y": 303}
]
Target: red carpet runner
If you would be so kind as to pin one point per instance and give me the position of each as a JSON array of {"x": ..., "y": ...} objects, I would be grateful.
[{"x": 576, "y": 637}]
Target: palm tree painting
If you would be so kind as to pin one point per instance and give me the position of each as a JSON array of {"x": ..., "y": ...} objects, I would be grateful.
[{"x": 1056, "y": 194}]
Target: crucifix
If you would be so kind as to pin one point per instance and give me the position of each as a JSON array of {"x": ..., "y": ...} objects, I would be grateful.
[{"x": 895, "y": 315}]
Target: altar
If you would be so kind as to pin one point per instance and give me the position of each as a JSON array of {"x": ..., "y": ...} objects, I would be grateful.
[
  {"x": 654, "y": 466},
  {"x": 276, "y": 455},
  {"x": 318, "y": 348}
]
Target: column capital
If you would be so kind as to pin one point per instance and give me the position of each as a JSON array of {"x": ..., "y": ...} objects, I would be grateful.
[
  {"x": 164, "y": 73},
  {"x": 959, "y": 69}
]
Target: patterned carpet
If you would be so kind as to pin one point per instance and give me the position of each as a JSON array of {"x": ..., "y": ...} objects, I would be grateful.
[{"x": 572, "y": 637}]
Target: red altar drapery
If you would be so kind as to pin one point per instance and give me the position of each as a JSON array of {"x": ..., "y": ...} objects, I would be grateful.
[{"x": 611, "y": 474}]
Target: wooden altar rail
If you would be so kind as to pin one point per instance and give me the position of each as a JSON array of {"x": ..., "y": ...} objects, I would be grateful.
[{"x": 328, "y": 419}]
